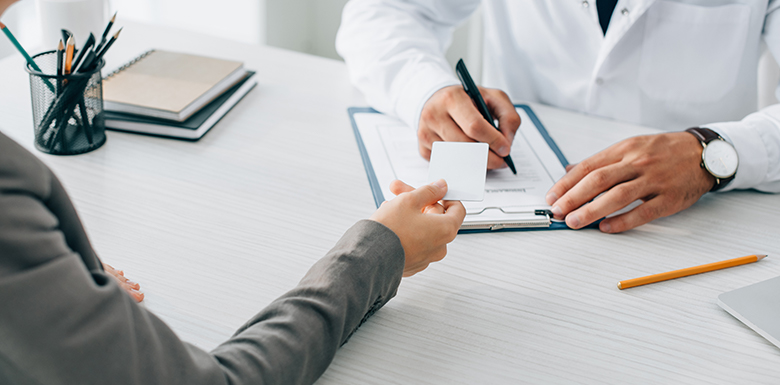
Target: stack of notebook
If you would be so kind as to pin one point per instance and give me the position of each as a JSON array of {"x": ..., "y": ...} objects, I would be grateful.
[{"x": 173, "y": 94}]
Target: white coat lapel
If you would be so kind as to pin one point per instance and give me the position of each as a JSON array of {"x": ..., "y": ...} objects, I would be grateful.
[{"x": 626, "y": 14}]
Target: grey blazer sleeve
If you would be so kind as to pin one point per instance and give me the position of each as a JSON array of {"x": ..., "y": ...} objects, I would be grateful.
[{"x": 64, "y": 321}]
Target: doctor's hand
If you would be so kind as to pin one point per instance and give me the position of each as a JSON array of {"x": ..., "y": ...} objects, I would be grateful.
[
  {"x": 661, "y": 170},
  {"x": 423, "y": 224},
  {"x": 450, "y": 115}
]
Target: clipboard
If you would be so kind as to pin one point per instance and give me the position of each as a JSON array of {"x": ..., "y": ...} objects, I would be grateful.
[{"x": 389, "y": 151}]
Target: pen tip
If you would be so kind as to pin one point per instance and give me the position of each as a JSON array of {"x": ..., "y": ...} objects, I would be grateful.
[
  {"x": 60, "y": 47},
  {"x": 70, "y": 40},
  {"x": 2, "y": 26},
  {"x": 113, "y": 17},
  {"x": 760, "y": 257},
  {"x": 116, "y": 35}
]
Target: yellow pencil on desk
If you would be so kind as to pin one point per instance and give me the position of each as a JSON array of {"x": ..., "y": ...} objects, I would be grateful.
[{"x": 689, "y": 271}]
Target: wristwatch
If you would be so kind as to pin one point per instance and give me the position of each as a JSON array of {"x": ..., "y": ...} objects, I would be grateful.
[{"x": 718, "y": 157}]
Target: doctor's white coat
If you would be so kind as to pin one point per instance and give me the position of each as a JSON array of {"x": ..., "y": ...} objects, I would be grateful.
[{"x": 664, "y": 64}]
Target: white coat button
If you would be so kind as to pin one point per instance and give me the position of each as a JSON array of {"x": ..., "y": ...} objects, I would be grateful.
[
  {"x": 585, "y": 4},
  {"x": 599, "y": 81},
  {"x": 624, "y": 11}
]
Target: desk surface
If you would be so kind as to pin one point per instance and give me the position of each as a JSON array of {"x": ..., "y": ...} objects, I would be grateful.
[{"x": 215, "y": 230}]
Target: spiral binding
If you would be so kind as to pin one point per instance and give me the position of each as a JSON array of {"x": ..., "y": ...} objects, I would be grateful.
[{"x": 128, "y": 64}]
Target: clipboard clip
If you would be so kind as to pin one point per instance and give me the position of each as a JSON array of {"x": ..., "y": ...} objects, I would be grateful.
[
  {"x": 545, "y": 212},
  {"x": 545, "y": 218},
  {"x": 542, "y": 212}
]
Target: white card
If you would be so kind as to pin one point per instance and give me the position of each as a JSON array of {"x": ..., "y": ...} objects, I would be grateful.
[{"x": 463, "y": 166}]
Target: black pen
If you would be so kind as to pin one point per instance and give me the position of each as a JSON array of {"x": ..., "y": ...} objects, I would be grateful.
[
  {"x": 66, "y": 35},
  {"x": 83, "y": 52},
  {"x": 473, "y": 92},
  {"x": 86, "y": 64}
]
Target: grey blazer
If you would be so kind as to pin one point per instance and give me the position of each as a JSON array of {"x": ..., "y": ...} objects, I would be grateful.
[{"x": 64, "y": 321}]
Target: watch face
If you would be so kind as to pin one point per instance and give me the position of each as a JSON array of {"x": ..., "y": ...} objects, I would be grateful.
[{"x": 720, "y": 159}]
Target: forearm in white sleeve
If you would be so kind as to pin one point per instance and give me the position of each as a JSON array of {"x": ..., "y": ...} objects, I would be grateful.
[
  {"x": 394, "y": 50},
  {"x": 757, "y": 137}
]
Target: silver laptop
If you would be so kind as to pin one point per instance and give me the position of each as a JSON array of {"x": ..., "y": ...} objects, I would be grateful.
[{"x": 757, "y": 306}]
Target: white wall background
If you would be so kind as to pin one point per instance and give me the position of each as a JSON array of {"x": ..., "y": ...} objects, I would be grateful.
[{"x": 302, "y": 25}]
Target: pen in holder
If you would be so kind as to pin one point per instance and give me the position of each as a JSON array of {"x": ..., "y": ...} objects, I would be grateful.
[{"x": 67, "y": 109}]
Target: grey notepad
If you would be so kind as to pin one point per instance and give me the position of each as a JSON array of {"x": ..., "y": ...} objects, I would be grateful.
[{"x": 757, "y": 306}]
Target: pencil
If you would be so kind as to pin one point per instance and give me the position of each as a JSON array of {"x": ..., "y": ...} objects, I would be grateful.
[
  {"x": 99, "y": 55},
  {"x": 19, "y": 48},
  {"x": 66, "y": 35},
  {"x": 27, "y": 57},
  {"x": 60, "y": 53},
  {"x": 688, "y": 271},
  {"x": 69, "y": 55},
  {"x": 105, "y": 33}
]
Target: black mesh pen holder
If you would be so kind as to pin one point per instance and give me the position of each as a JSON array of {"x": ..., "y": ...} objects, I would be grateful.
[{"x": 67, "y": 109}]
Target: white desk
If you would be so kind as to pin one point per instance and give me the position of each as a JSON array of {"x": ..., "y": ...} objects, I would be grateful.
[{"x": 215, "y": 230}]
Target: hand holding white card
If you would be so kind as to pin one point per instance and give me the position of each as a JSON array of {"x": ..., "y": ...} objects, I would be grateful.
[{"x": 463, "y": 166}]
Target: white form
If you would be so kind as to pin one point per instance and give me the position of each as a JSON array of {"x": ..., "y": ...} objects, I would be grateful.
[{"x": 510, "y": 200}]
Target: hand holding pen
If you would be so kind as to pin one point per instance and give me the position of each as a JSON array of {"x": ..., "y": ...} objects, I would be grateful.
[
  {"x": 473, "y": 92},
  {"x": 450, "y": 115}
]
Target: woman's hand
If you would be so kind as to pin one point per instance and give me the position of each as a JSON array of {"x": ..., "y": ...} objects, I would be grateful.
[
  {"x": 130, "y": 287},
  {"x": 423, "y": 223}
]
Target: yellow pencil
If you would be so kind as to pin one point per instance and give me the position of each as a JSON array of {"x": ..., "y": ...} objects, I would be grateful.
[
  {"x": 689, "y": 271},
  {"x": 69, "y": 55}
]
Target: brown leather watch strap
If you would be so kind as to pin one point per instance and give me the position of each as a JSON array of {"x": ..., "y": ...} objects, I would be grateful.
[{"x": 705, "y": 135}]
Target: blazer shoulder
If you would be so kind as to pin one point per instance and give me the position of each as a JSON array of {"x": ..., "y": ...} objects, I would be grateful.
[{"x": 21, "y": 171}]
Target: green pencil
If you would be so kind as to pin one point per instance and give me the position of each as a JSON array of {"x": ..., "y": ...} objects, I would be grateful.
[
  {"x": 19, "y": 47},
  {"x": 27, "y": 57}
]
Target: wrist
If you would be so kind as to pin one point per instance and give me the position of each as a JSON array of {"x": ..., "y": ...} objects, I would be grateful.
[
  {"x": 704, "y": 180},
  {"x": 718, "y": 157}
]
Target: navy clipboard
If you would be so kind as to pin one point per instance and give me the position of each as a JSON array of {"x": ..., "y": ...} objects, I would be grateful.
[{"x": 538, "y": 219}]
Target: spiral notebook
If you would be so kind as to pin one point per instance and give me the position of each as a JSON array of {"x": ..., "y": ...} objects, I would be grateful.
[
  {"x": 169, "y": 85},
  {"x": 191, "y": 129}
]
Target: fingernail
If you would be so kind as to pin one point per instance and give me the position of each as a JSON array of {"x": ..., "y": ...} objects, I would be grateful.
[
  {"x": 440, "y": 183},
  {"x": 551, "y": 198},
  {"x": 606, "y": 227},
  {"x": 503, "y": 151},
  {"x": 557, "y": 212},
  {"x": 573, "y": 220}
]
